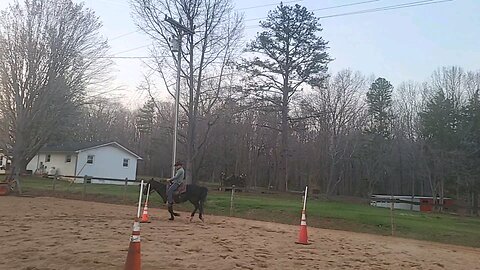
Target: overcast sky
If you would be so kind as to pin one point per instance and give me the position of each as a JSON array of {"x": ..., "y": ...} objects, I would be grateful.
[{"x": 399, "y": 44}]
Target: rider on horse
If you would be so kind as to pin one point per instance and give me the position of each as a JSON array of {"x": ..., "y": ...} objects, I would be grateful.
[{"x": 175, "y": 181}]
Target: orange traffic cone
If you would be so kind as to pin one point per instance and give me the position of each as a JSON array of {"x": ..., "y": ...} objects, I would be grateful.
[
  {"x": 303, "y": 238},
  {"x": 145, "y": 217},
  {"x": 134, "y": 257}
]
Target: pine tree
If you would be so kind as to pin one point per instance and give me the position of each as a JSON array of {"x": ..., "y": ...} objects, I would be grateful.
[
  {"x": 379, "y": 99},
  {"x": 293, "y": 56}
]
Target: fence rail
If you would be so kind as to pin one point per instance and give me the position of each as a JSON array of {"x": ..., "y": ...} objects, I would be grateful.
[{"x": 87, "y": 179}]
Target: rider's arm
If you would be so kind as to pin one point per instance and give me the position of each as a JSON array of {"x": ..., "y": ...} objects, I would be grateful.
[{"x": 178, "y": 176}]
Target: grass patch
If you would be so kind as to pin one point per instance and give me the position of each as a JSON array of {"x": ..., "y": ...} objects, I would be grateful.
[{"x": 286, "y": 208}]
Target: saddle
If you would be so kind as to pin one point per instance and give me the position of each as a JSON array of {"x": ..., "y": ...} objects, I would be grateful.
[{"x": 181, "y": 189}]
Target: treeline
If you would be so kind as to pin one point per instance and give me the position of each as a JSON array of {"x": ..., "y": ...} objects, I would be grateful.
[
  {"x": 352, "y": 137},
  {"x": 268, "y": 109}
]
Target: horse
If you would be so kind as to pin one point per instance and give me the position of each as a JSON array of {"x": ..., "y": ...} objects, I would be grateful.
[{"x": 195, "y": 194}]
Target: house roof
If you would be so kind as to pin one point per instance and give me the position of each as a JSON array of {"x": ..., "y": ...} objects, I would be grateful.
[{"x": 77, "y": 147}]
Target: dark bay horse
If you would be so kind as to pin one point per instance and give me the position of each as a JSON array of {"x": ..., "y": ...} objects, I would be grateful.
[{"x": 195, "y": 194}]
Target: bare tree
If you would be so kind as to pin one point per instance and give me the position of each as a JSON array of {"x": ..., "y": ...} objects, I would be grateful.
[
  {"x": 340, "y": 107},
  {"x": 49, "y": 54},
  {"x": 207, "y": 53}
]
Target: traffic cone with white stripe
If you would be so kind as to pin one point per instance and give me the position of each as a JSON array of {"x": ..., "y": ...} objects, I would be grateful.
[
  {"x": 134, "y": 256},
  {"x": 303, "y": 238},
  {"x": 145, "y": 216}
]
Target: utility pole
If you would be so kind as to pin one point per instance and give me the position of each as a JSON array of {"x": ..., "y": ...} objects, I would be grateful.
[{"x": 177, "y": 47}]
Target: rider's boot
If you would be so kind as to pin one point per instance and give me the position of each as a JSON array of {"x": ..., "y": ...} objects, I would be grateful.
[{"x": 170, "y": 210}]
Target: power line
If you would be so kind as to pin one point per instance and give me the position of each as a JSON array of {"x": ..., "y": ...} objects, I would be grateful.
[
  {"x": 347, "y": 5},
  {"x": 133, "y": 49},
  {"x": 332, "y": 7},
  {"x": 251, "y": 7},
  {"x": 124, "y": 35},
  {"x": 267, "y": 5},
  {"x": 293, "y": 1},
  {"x": 406, "y": 5},
  {"x": 386, "y": 8}
]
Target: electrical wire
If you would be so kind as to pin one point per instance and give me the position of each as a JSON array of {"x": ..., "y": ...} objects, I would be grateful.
[
  {"x": 386, "y": 8},
  {"x": 274, "y": 4},
  {"x": 124, "y": 35},
  {"x": 331, "y": 7}
]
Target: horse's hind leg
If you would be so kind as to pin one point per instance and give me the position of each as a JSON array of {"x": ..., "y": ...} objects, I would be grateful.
[
  {"x": 194, "y": 211},
  {"x": 200, "y": 206}
]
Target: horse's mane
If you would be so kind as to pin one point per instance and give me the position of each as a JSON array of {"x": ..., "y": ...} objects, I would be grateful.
[{"x": 157, "y": 182}]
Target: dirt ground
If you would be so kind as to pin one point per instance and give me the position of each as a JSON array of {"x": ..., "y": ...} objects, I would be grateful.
[{"x": 52, "y": 233}]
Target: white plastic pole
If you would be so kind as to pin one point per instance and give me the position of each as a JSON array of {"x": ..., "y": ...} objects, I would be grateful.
[
  {"x": 305, "y": 198},
  {"x": 140, "y": 199},
  {"x": 148, "y": 193},
  {"x": 231, "y": 200}
]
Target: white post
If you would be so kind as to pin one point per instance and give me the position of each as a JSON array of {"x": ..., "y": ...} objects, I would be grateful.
[
  {"x": 140, "y": 199},
  {"x": 148, "y": 193},
  {"x": 305, "y": 198},
  {"x": 231, "y": 200}
]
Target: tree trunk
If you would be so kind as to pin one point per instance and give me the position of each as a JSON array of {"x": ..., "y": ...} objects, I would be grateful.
[
  {"x": 283, "y": 176},
  {"x": 18, "y": 166}
]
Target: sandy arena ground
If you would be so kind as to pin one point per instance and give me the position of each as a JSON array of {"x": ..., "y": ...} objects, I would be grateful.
[{"x": 51, "y": 233}]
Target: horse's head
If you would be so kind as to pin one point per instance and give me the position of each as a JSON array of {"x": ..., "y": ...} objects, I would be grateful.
[
  {"x": 160, "y": 188},
  {"x": 146, "y": 186}
]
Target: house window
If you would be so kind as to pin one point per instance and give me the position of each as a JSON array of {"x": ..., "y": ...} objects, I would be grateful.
[
  {"x": 1, "y": 160},
  {"x": 47, "y": 158},
  {"x": 68, "y": 158},
  {"x": 125, "y": 162},
  {"x": 90, "y": 159}
]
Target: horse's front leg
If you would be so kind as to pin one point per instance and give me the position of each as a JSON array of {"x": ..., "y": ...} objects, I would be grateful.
[{"x": 194, "y": 210}]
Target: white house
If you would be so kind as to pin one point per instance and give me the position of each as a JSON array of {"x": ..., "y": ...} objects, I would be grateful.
[
  {"x": 4, "y": 162},
  {"x": 99, "y": 160}
]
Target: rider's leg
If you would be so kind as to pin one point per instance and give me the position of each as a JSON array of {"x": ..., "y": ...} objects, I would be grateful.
[{"x": 170, "y": 191}]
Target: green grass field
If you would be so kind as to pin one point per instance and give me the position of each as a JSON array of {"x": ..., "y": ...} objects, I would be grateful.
[{"x": 286, "y": 209}]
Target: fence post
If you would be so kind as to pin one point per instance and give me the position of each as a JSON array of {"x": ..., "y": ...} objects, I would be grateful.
[
  {"x": 54, "y": 182},
  {"x": 231, "y": 200},
  {"x": 84, "y": 186},
  {"x": 125, "y": 190},
  {"x": 392, "y": 215}
]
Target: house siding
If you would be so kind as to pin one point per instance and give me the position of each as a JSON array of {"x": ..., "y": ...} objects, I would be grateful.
[
  {"x": 3, "y": 163},
  {"x": 107, "y": 163},
  {"x": 57, "y": 161}
]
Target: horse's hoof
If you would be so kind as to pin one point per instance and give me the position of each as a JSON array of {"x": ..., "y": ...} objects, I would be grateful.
[
  {"x": 176, "y": 214},
  {"x": 202, "y": 219},
  {"x": 171, "y": 218},
  {"x": 190, "y": 220}
]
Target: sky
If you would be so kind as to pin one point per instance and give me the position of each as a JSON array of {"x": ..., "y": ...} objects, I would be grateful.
[{"x": 405, "y": 44}]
